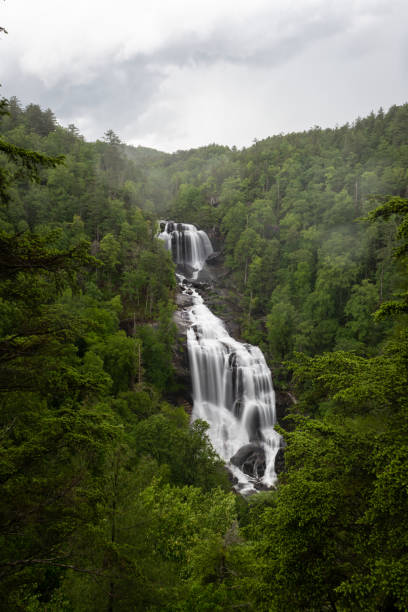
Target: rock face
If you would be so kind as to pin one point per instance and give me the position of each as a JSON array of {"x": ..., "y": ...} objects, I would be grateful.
[
  {"x": 280, "y": 461},
  {"x": 250, "y": 459},
  {"x": 283, "y": 401},
  {"x": 183, "y": 300},
  {"x": 224, "y": 305},
  {"x": 217, "y": 239},
  {"x": 214, "y": 259},
  {"x": 183, "y": 392},
  {"x": 198, "y": 284}
]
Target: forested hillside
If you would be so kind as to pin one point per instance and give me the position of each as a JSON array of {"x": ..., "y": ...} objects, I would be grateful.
[
  {"x": 110, "y": 501},
  {"x": 309, "y": 271}
]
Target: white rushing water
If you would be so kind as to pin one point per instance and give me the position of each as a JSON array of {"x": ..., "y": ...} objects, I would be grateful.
[
  {"x": 232, "y": 385},
  {"x": 233, "y": 392},
  {"x": 190, "y": 247}
]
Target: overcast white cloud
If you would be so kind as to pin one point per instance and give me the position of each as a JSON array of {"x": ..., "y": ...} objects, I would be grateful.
[{"x": 181, "y": 73}]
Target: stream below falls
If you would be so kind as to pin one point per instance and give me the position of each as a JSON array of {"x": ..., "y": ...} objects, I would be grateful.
[{"x": 231, "y": 382}]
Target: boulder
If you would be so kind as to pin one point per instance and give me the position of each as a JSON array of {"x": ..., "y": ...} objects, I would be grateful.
[
  {"x": 184, "y": 300},
  {"x": 250, "y": 459},
  {"x": 199, "y": 284},
  {"x": 185, "y": 270}
]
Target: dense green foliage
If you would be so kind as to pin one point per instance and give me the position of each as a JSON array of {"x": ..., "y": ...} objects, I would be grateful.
[
  {"x": 110, "y": 501},
  {"x": 92, "y": 456},
  {"x": 335, "y": 534}
]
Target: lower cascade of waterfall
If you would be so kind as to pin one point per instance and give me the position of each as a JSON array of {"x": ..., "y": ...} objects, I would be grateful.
[
  {"x": 233, "y": 392},
  {"x": 232, "y": 385}
]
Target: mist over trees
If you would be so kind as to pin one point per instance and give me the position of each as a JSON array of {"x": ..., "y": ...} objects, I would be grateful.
[{"x": 110, "y": 500}]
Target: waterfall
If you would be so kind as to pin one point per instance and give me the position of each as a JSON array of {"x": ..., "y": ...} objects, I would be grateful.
[
  {"x": 232, "y": 385},
  {"x": 190, "y": 247},
  {"x": 233, "y": 392}
]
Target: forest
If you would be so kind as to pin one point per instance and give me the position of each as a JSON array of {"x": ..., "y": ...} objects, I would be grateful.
[{"x": 110, "y": 499}]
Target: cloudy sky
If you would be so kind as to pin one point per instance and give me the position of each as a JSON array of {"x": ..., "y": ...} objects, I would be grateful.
[{"x": 175, "y": 74}]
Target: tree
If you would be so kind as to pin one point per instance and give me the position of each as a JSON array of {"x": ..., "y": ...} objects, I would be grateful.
[
  {"x": 395, "y": 206},
  {"x": 111, "y": 138},
  {"x": 27, "y": 163}
]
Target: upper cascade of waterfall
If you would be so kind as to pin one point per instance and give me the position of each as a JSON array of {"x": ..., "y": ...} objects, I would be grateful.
[{"x": 190, "y": 246}]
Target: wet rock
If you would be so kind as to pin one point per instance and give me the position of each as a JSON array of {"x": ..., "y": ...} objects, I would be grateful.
[
  {"x": 182, "y": 393},
  {"x": 205, "y": 276},
  {"x": 182, "y": 321},
  {"x": 254, "y": 426},
  {"x": 184, "y": 300},
  {"x": 214, "y": 258},
  {"x": 186, "y": 270},
  {"x": 280, "y": 461},
  {"x": 284, "y": 400},
  {"x": 219, "y": 302},
  {"x": 217, "y": 239},
  {"x": 199, "y": 284},
  {"x": 183, "y": 388},
  {"x": 250, "y": 459},
  {"x": 260, "y": 486}
]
